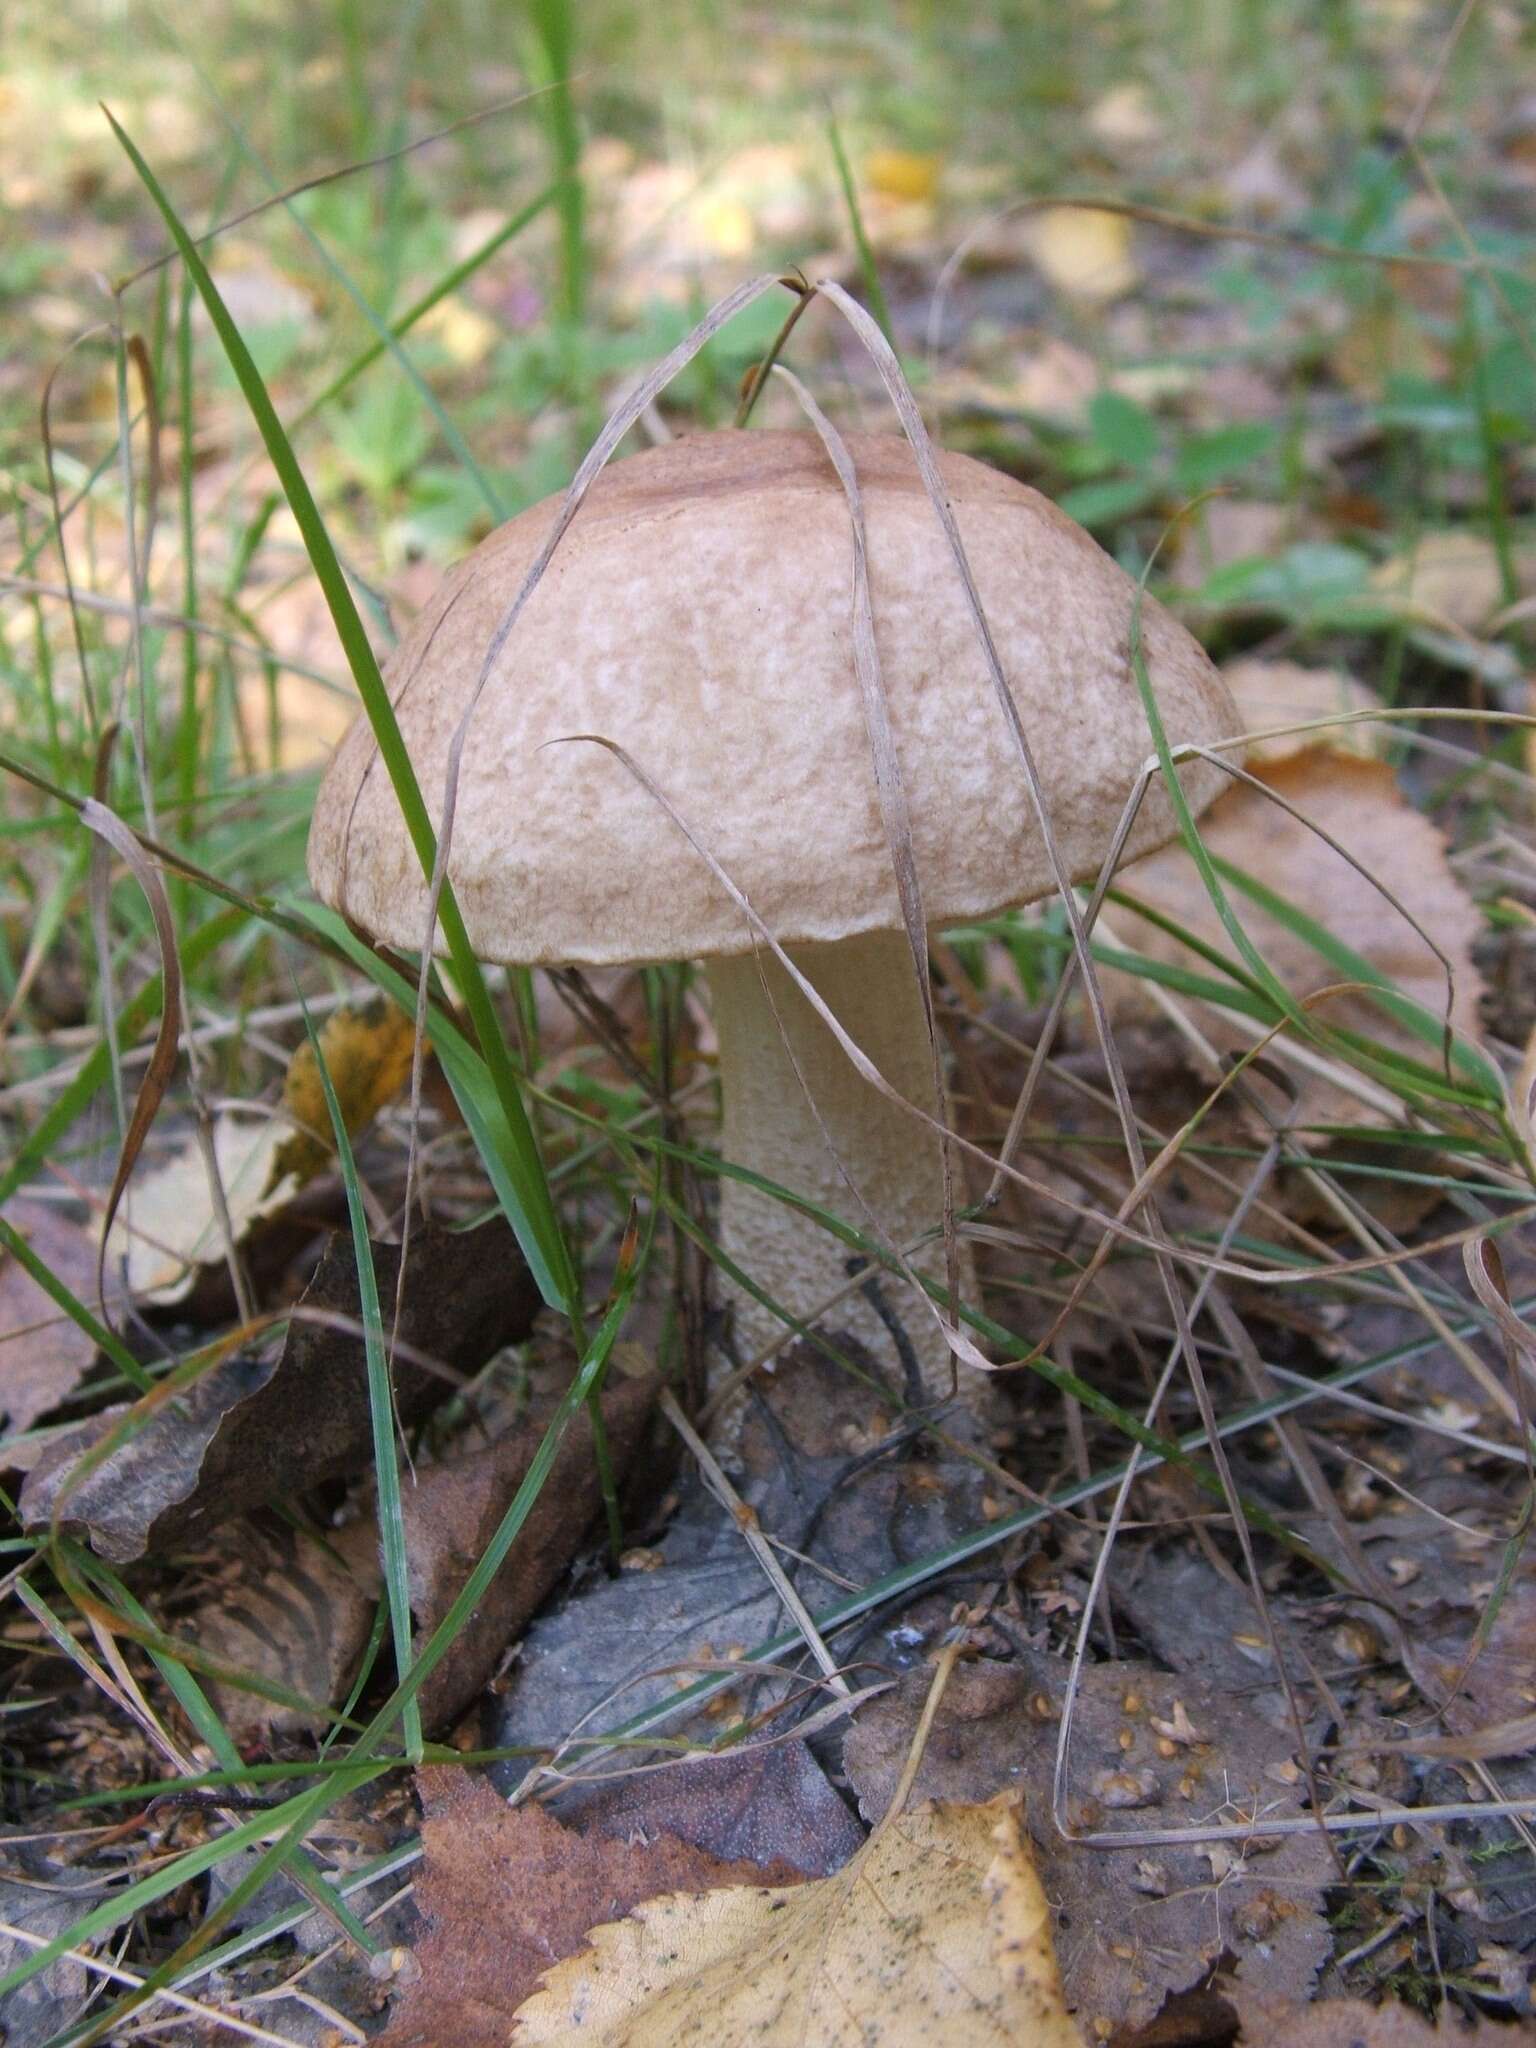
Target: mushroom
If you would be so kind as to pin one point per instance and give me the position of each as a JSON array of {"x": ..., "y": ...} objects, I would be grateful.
[{"x": 698, "y": 613}]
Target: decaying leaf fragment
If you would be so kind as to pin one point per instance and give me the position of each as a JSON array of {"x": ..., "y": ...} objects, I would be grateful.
[
  {"x": 265, "y": 1423},
  {"x": 938, "y": 1930},
  {"x": 1149, "y": 1751},
  {"x": 297, "y": 1613}
]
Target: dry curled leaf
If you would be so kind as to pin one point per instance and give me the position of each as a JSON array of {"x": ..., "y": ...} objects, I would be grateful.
[
  {"x": 938, "y": 1930},
  {"x": 261, "y": 1424}
]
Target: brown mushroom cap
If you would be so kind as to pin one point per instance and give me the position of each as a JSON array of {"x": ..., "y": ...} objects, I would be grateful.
[{"x": 698, "y": 613}]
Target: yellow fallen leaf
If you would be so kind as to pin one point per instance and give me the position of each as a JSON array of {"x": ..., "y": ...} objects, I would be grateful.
[
  {"x": 938, "y": 1930},
  {"x": 1123, "y": 118},
  {"x": 901, "y": 174},
  {"x": 367, "y": 1048},
  {"x": 168, "y": 1228},
  {"x": 724, "y": 224},
  {"x": 1288, "y": 693},
  {"x": 466, "y": 334},
  {"x": 1084, "y": 251}
]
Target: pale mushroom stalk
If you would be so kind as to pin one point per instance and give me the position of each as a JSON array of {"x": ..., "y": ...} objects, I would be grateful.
[{"x": 797, "y": 1111}]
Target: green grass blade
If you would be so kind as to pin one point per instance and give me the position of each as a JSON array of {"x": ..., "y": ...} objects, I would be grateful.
[
  {"x": 449, "y": 282},
  {"x": 381, "y": 1401},
  {"x": 533, "y": 1217},
  {"x": 869, "y": 270}
]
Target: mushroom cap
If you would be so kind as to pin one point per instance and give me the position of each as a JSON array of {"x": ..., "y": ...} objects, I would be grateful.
[{"x": 698, "y": 612}]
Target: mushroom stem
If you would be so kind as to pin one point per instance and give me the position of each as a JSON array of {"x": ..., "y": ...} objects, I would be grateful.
[{"x": 770, "y": 1126}]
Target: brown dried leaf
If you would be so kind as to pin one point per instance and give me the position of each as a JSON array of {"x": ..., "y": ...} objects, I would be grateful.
[
  {"x": 1132, "y": 1924},
  {"x": 1285, "y": 693},
  {"x": 938, "y": 1930},
  {"x": 1350, "y": 2023},
  {"x": 769, "y": 1804},
  {"x": 507, "y": 1891},
  {"x": 1452, "y": 576},
  {"x": 1358, "y": 804},
  {"x": 260, "y": 1425},
  {"x": 453, "y": 1510},
  {"x": 1481, "y": 1686},
  {"x": 288, "y": 1609},
  {"x": 43, "y": 1355}
]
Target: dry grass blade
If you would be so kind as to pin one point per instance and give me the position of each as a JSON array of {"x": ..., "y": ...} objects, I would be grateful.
[
  {"x": 1485, "y": 1270},
  {"x": 759, "y": 1545},
  {"x": 107, "y": 826}
]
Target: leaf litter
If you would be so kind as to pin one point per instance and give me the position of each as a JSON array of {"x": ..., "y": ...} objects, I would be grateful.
[{"x": 271, "y": 1418}]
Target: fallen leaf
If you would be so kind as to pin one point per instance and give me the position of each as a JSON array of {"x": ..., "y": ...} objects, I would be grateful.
[
  {"x": 1359, "y": 804},
  {"x": 1287, "y": 693},
  {"x": 506, "y": 1892},
  {"x": 1453, "y": 576},
  {"x": 466, "y": 335},
  {"x": 1223, "y": 530},
  {"x": 275, "y": 1602},
  {"x": 367, "y": 1051},
  {"x": 453, "y": 1510},
  {"x": 1351, "y": 2023},
  {"x": 43, "y": 1354},
  {"x": 766, "y": 1803},
  {"x": 1498, "y": 1685},
  {"x": 1084, "y": 252},
  {"x": 258, "y": 1425},
  {"x": 1123, "y": 117},
  {"x": 997, "y": 1726},
  {"x": 43, "y": 1898},
  {"x": 167, "y": 1229},
  {"x": 282, "y": 1607},
  {"x": 905, "y": 174},
  {"x": 806, "y": 1473},
  {"x": 938, "y": 1930}
]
